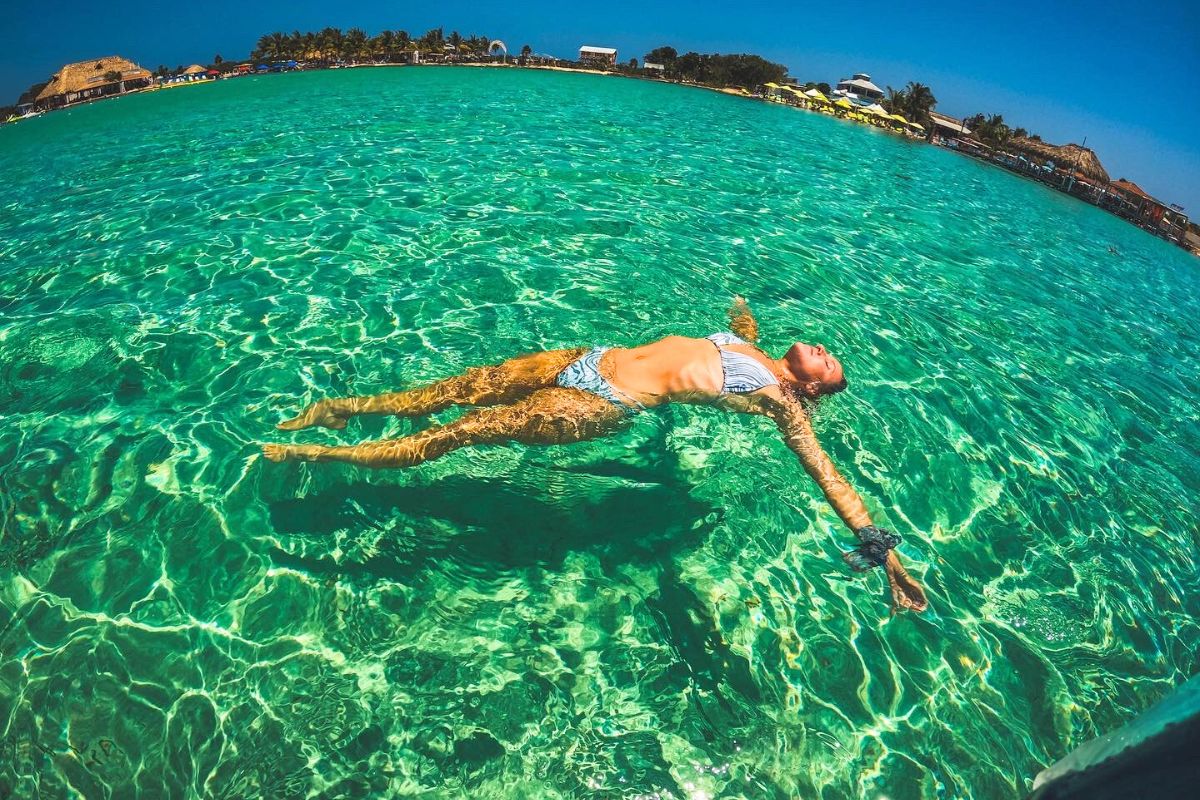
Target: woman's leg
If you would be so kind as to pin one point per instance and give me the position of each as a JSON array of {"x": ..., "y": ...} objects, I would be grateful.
[
  {"x": 478, "y": 386},
  {"x": 548, "y": 416}
]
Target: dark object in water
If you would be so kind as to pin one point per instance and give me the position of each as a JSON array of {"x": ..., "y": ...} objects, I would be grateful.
[
  {"x": 1152, "y": 756},
  {"x": 876, "y": 542}
]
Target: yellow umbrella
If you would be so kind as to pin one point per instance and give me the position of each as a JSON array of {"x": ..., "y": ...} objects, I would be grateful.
[
  {"x": 899, "y": 119},
  {"x": 815, "y": 94},
  {"x": 842, "y": 102},
  {"x": 916, "y": 125},
  {"x": 771, "y": 85}
]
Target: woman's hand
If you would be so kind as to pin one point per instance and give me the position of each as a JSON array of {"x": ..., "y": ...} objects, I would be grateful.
[{"x": 907, "y": 594}]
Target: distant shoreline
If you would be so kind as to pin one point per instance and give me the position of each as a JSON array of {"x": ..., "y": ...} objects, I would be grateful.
[{"x": 725, "y": 90}]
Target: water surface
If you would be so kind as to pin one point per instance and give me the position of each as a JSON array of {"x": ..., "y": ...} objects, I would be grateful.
[{"x": 662, "y": 614}]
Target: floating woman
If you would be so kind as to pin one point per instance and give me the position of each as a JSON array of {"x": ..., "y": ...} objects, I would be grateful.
[{"x": 562, "y": 396}]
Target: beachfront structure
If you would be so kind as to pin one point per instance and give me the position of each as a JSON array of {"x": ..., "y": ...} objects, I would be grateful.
[
  {"x": 598, "y": 56},
  {"x": 949, "y": 126},
  {"x": 87, "y": 80},
  {"x": 650, "y": 65},
  {"x": 859, "y": 89},
  {"x": 1127, "y": 199}
]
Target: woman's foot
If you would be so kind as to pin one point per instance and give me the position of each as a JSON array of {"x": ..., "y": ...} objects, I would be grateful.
[
  {"x": 291, "y": 452},
  {"x": 319, "y": 413}
]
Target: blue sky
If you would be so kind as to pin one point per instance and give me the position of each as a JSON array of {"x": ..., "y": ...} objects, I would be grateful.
[{"x": 1124, "y": 74}]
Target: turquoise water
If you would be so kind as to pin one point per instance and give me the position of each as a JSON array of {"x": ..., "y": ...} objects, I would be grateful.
[{"x": 662, "y": 614}]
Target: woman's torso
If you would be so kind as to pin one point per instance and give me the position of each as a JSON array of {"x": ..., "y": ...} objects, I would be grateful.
[{"x": 673, "y": 369}]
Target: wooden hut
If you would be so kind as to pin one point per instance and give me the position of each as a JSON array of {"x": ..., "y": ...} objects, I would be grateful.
[
  {"x": 1070, "y": 157},
  {"x": 86, "y": 80}
]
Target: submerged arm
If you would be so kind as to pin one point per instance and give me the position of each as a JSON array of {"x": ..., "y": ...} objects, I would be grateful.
[
  {"x": 798, "y": 433},
  {"x": 741, "y": 322}
]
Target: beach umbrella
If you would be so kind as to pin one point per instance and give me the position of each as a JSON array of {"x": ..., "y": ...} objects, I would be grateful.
[
  {"x": 771, "y": 85},
  {"x": 899, "y": 118},
  {"x": 815, "y": 94},
  {"x": 842, "y": 102},
  {"x": 916, "y": 125},
  {"x": 877, "y": 110}
]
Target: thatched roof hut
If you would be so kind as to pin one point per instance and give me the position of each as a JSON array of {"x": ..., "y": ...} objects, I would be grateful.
[
  {"x": 194, "y": 69},
  {"x": 1067, "y": 156},
  {"x": 87, "y": 78}
]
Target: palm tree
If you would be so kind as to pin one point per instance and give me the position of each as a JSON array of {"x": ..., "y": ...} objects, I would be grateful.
[
  {"x": 383, "y": 45},
  {"x": 432, "y": 40},
  {"x": 526, "y": 51},
  {"x": 332, "y": 43},
  {"x": 262, "y": 48},
  {"x": 279, "y": 43},
  {"x": 990, "y": 129},
  {"x": 356, "y": 43},
  {"x": 455, "y": 40},
  {"x": 112, "y": 76},
  {"x": 919, "y": 102},
  {"x": 896, "y": 101}
]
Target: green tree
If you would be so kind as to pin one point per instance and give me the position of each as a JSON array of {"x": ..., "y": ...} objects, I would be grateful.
[
  {"x": 896, "y": 101},
  {"x": 990, "y": 129},
  {"x": 432, "y": 40},
  {"x": 356, "y": 43},
  {"x": 726, "y": 70},
  {"x": 279, "y": 43},
  {"x": 919, "y": 103},
  {"x": 823, "y": 88},
  {"x": 661, "y": 55},
  {"x": 332, "y": 43},
  {"x": 263, "y": 48},
  {"x": 526, "y": 51},
  {"x": 112, "y": 76},
  {"x": 384, "y": 45}
]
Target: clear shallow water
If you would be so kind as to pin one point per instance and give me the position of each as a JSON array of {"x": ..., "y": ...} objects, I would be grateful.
[{"x": 657, "y": 615}]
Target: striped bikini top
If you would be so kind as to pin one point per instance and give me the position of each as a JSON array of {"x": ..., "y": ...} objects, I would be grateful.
[{"x": 742, "y": 372}]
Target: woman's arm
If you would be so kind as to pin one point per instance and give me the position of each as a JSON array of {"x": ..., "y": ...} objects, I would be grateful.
[
  {"x": 741, "y": 322},
  {"x": 798, "y": 433}
]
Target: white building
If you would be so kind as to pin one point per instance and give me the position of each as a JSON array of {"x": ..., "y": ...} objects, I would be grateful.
[
  {"x": 655, "y": 67},
  {"x": 859, "y": 89},
  {"x": 949, "y": 126},
  {"x": 598, "y": 56}
]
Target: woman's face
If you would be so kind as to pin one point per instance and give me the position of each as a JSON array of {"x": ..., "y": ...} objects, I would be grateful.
[{"x": 812, "y": 364}]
